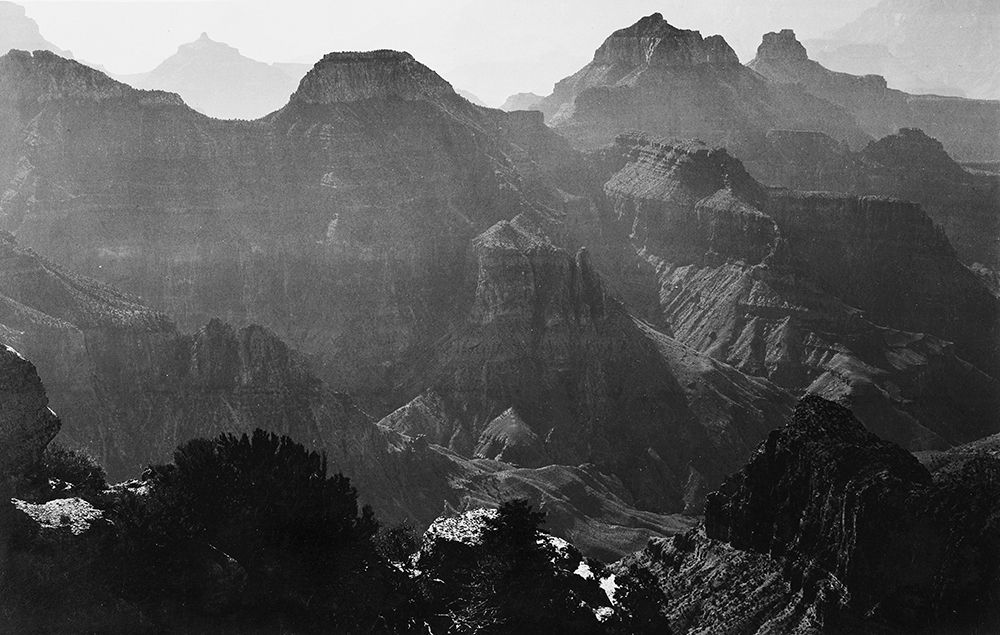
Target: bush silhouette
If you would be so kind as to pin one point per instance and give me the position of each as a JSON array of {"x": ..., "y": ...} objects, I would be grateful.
[{"x": 254, "y": 527}]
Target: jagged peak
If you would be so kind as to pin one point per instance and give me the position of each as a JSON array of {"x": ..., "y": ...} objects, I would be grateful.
[
  {"x": 654, "y": 41},
  {"x": 205, "y": 43},
  {"x": 782, "y": 45},
  {"x": 358, "y": 75}
]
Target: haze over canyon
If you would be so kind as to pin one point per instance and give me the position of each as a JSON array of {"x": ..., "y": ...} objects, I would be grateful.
[{"x": 703, "y": 338}]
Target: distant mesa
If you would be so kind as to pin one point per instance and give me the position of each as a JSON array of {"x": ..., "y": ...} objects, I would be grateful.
[
  {"x": 521, "y": 101},
  {"x": 356, "y": 76}
]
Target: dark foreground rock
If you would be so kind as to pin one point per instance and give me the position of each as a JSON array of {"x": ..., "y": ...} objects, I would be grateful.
[{"x": 829, "y": 529}]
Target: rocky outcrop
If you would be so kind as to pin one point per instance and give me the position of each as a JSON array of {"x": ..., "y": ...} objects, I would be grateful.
[
  {"x": 588, "y": 382},
  {"x": 508, "y": 438},
  {"x": 968, "y": 128},
  {"x": 27, "y": 424},
  {"x": 908, "y": 165},
  {"x": 772, "y": 281},
  {"x": 829, "y": 529},
  {"x": 655, "y": 77},
  {"x": 826, "y": 492}
]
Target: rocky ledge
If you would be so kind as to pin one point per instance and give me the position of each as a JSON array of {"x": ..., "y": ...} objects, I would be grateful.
[
  {"x": 836, "y": 501},
  {"x": 829, "y": 529}
]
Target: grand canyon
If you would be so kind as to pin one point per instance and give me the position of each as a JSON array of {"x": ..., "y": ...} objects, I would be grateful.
[{"x": 689, "y": 345}]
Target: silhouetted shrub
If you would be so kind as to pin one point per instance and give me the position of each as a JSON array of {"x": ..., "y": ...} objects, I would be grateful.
[
  {"x": 64, "y": 472},
  {"x": 640, "y": 604},
  {"x": 397, "y": 543},
  {"x": 254, "y": 527},
  {"x": 513, "y": 585}
]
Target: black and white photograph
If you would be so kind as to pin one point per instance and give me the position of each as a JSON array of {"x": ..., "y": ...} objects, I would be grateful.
[{"x": 500, "y": 317}]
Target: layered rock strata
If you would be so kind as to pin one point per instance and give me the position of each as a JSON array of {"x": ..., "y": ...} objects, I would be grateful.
[
  {"x": 856, "y": 299},
  {"x": 829, "y": 529}
]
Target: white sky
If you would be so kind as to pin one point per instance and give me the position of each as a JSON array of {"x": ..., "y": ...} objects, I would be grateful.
[{"x": 490, "y": 48}]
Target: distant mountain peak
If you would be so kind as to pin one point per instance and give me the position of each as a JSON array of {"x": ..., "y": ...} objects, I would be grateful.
[
  {"x": 18, "y": 31},
  {"x": 355, "y": 76},
  {"x": 655, "y": 42}
]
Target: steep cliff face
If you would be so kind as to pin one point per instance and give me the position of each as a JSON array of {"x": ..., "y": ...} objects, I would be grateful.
[
  {"x": 968, "y": 128},
  {"x": 829, "y": 529},
  {"x": 86, "y": 338},
  {"x": 655, "y": 77},
  {"x": 341, "y": 224},
  {"x": 27, "y": 424},
  {"x": 543, "y": 338},
  {"x": 827, "y": 492},
  {"x": 768, "y": 281},
  {"x": 908, "y": 165}
]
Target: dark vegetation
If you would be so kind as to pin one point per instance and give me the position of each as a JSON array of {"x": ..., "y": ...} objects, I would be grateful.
[
  {"x": 251, "y": 534},
  {"x": 63, "y": 472}
]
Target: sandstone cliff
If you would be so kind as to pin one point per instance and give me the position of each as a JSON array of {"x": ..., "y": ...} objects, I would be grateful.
[
  {"x": 908, "y": 165},
  {"x": 809, "y": 290},
  {"x": 573, "y": 377},
  {"x": 828, "y": 529},
  {"x": 341, "y": 224}
]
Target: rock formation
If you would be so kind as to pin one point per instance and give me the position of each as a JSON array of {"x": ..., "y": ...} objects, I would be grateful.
[
  {"x": 829, "y": 529},
  {"x": 654, "y": 77},
  {"x": 521, "y": 101},
  {"x": 908, "y": 165},
  {"x": 27, "y": 424},
  {"x": 809, "y": 290},
  {"x": 285, "y": 222},
  {"x": 968, "y": 128},
  {"x": 216, "y": 80}
]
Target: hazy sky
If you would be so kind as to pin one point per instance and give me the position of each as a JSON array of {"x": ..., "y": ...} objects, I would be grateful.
[{"x": 489, "y": 48}]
